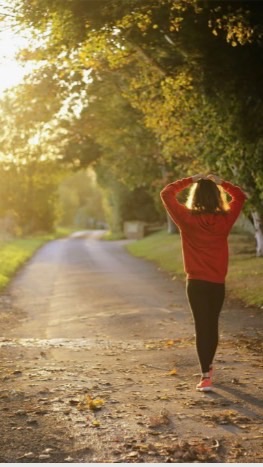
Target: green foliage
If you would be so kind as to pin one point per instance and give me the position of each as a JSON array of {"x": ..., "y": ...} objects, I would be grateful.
[
  {"x": 122, "y": 203},
  {"x": 80, "y": 199},
  {"x": 172, "y": 88},
  {"x": 112, "y": 236},
  {"x": 114, "y": 198},
  {"x": 126, "y": 146},
  {"x": 30, "y": 190}
]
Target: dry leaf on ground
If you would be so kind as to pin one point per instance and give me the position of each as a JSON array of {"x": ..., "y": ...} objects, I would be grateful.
[{"x": 89, "y": 403}]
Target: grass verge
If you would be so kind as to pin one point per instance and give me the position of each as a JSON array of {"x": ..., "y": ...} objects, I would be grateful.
[
  {"x": 14, "y": 253},
  {"x": 108, "y": 235},
  {"x": 245, "y": 274}
]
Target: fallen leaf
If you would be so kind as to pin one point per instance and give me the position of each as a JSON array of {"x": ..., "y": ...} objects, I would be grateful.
[
  {"x": 150, "y": 346},
  {"x": 170, "y": 343},
  {"x": 172, "y": 372},
  {"x": 159, "y": 420},
  {"x": 89, "y": 403},
  {"x": 28, "y": 455},
  {"x": 163, "y": 398},
  {"x": 132, "y": 454},
  {"x": 74, "y": 401},
  {"x": 95, "y": 422}
]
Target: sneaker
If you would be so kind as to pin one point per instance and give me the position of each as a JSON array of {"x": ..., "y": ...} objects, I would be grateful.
[{"x": 205, "y": 385}]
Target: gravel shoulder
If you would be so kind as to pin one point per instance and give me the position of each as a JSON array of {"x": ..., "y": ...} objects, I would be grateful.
[{"x": 99, "y": 365}]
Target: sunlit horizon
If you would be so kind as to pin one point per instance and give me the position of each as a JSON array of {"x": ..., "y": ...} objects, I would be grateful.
[{"x": 12, "y": 71}]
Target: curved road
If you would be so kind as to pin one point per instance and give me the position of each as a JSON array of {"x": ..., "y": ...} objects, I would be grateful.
[{"x": 88, "y": 321}]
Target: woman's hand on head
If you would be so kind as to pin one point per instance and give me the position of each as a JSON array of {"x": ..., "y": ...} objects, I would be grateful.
[
  {"x": 214, "y": 178},
  {"x": 197, "y": 177}
]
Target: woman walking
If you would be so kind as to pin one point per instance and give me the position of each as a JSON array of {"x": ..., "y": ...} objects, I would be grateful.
[{"x": 204, "y": 223}]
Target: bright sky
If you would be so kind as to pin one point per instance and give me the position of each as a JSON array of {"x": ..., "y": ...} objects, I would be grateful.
[{"x": 11, "y": 72}]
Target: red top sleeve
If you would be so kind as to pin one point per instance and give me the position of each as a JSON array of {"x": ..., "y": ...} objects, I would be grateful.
[{"x": 176, "y": 210}]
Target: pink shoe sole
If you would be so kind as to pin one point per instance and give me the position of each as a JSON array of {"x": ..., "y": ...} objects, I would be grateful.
[
  {"x": 205, "y": 385},
  {"x": 207, "y": 389}
]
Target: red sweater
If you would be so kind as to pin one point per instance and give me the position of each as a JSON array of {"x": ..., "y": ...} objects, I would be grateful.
[{"x": 204, "y": 236}]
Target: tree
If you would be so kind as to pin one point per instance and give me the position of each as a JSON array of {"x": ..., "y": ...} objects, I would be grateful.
[
  {"x": 81, "y": 200},
  {"x": 30, "y": 192},
  {"x": 180, "y": 65}
]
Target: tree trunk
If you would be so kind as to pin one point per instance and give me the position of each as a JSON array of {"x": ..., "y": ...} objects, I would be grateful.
[
  {"x": 258, "y": 224},
  {"x": 171, "y": 226}
]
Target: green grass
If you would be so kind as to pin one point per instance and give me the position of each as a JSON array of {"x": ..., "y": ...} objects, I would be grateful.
[
  {"x": 245, "y": 274},
  {"x": 108, "y": 235},
  {"x": 14, "y": 253},
  {"x": 62, "y": 232}
]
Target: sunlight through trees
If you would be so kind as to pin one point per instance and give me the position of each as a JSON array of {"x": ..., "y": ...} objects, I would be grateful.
[{"x": 145, "y": 92}]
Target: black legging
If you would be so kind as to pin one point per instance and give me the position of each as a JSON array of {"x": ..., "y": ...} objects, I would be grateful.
[{"x": 206, "y": 301}]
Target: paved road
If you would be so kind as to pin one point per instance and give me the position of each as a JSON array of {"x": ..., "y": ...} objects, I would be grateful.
[
  {"x": 88, "y": 320},
  {"x": 71, "y": 282}
]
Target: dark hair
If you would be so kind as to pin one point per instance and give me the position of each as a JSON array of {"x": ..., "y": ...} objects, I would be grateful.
[{"x": 207, "y": 197}]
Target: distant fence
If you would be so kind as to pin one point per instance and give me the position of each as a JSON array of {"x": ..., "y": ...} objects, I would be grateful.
[{"x": 139, "y": 229}]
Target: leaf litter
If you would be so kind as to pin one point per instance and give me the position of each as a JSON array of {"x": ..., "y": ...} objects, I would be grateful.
[
  {"x": 226, "y": 417},
  {"x": 162, "y": 419}
]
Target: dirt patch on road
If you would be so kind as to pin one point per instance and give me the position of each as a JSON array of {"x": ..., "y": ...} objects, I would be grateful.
[{"x": 128, "y": 402}]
